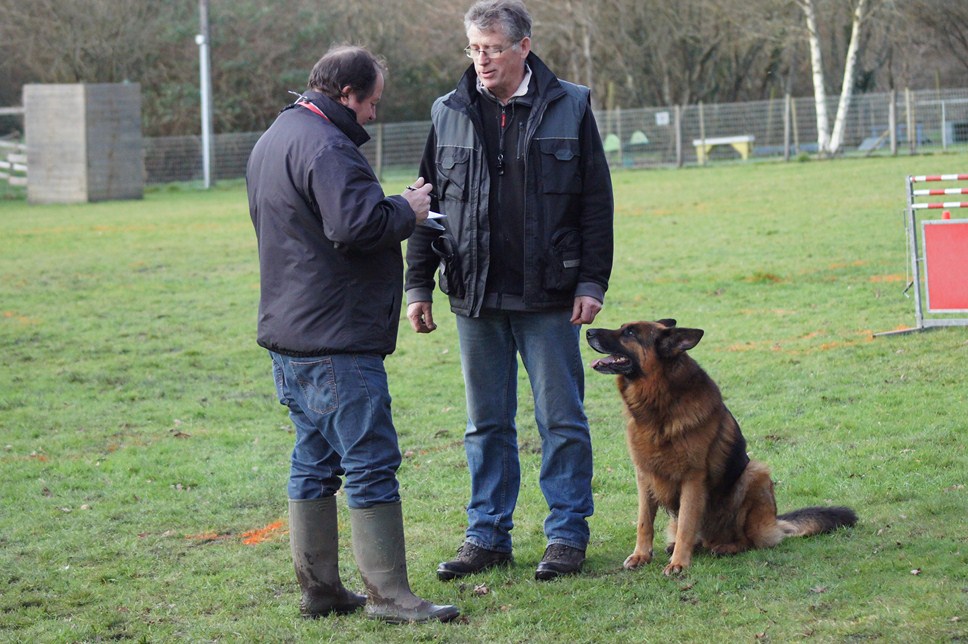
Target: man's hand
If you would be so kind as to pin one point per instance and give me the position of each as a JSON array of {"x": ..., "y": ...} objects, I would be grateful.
[
  {"x": 421, "y": 317},
  {"x": 417, "y": 195},
  {"x": 585, "y": 310}
]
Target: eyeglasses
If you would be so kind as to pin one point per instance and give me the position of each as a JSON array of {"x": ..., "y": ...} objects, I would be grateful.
[{"x": 490, "y": 52}]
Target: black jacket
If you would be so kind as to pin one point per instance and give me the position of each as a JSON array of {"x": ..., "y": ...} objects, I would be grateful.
[
  {"x": 567, "y": 212},
  {"x": 331, "y": 267}
]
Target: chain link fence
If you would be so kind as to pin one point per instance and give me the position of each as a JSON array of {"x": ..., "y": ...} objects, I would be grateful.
[{"x": 878, "y": 124}]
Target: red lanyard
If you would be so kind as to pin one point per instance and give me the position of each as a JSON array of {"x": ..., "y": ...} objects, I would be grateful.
[{"x": 312, "y": 108}]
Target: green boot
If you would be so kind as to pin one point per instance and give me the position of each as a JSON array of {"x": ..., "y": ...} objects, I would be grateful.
[
  {"x": 380, "y": 551},
  {"x": 313, "y": 539}
]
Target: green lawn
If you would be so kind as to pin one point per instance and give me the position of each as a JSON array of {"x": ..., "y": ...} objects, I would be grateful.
[{"x": 143, "y": 456}]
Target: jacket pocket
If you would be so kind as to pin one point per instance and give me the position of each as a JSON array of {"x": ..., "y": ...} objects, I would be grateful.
[
  {"x": 453, "y": 170},
  {"x": 451, "y": 275},
  {"x": 560, "y": 166},
  {"x": 563, "y": 260}
]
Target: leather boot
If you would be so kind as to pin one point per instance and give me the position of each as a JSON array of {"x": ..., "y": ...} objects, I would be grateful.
[
  {"x": 380, "y": 551},
  {"x": 313, "y": 539}
]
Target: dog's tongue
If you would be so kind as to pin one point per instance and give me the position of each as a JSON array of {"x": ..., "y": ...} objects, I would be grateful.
[{"x": 603, "y": 362}]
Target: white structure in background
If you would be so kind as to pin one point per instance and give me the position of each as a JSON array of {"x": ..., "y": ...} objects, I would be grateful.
[{"x": 83, "y": 142}]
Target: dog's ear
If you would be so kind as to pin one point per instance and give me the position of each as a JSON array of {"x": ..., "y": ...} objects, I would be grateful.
[
  {"x": 669, "y": 322},
  {"x": 675, "y": 341}
]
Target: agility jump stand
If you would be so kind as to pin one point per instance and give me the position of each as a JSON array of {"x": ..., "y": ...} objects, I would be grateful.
[{"x": 939, "y": 265}]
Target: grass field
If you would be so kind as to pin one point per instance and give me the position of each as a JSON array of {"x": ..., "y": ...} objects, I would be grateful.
[{"x": 143, "y": 456}]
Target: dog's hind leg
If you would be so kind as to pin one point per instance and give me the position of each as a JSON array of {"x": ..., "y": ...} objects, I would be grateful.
[
  {"x": 734, "y": 548},
  {"x": 761, "y": 527}
]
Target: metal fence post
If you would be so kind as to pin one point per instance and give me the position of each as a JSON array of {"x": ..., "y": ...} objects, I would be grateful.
[
  {"x": 911, "y": 134},
  {"x": 702, "y": 135},
  {"x": 678, "y": 136},
  {"x": 892, "y": 121},
  {"x": 786, "y": 126}
]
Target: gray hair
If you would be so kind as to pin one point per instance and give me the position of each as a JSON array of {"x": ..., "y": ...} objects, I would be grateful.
[{"x": 509, "y": 16}]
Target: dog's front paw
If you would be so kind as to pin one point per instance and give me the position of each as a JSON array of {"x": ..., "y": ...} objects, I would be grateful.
[
  {"x": 674, "y": 569},
  {"x": 637, "y": 559}
]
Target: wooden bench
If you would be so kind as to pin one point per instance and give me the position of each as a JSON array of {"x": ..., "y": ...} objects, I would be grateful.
[{"x": 742, "y": 144}]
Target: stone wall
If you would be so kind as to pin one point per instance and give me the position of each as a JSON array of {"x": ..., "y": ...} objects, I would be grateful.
[{"x": 83, "y": 142}]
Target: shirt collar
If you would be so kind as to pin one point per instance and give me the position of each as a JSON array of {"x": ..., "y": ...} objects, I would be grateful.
[{"x": 521, "y": 91}]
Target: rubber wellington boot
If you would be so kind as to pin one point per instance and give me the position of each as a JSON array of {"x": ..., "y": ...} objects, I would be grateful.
[
  {"x": 380, "y": 551},
  {"x": 313, "y": 539}
]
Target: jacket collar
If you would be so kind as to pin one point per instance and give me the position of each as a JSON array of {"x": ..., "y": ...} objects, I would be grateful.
[
  {"x": 547, "y": 87},
  {"x": 341, "y": 116}
]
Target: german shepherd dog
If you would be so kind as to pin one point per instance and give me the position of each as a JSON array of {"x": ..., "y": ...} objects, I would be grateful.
[{"x": 689, "y": 455}]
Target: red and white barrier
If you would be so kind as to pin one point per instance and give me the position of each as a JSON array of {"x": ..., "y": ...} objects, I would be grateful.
[
  {"x": 940, "y": 191},
  {"x": 939, "y": 177},
  {"x": 940, "y": 206},
  {"x": 938, "y": 268}
]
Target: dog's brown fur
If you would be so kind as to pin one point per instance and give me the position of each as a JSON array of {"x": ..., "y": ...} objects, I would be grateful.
[{"x": 689, "y": 454}]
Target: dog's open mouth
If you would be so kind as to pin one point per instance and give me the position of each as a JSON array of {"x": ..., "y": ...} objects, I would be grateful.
[
  {"x": 613, "y": 363},
  {"x": 605, "y": 341}
]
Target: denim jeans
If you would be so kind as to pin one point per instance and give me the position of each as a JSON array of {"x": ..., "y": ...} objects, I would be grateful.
[
  {"x": 548, "y": 345},
  {"x": 340, "y": 407}
]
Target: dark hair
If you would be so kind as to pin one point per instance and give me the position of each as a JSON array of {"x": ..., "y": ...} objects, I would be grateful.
[
  {"x": 346, "y": 65},
  {"x": 510, "y": 16}
]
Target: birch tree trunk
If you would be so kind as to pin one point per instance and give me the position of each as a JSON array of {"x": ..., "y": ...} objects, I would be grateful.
[
  {"x": 847, "y": 89},
  {"x": 816, "y": 64}
]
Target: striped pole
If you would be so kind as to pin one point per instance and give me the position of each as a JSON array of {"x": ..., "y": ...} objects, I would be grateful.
[
  {"x": 936, "y": 191},
  {"x": 945, "y": 191},
  {"x": 939, "y": 177},
  {"x": 940, "y": 206}
]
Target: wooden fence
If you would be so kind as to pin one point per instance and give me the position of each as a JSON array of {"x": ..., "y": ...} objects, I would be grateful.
[{"x": 13, "y": 163}]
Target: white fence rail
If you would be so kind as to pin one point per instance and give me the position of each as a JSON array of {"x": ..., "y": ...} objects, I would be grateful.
[{"x": 13, "y": 163}]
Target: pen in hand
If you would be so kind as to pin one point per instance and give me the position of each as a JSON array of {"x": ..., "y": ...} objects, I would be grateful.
[
  {"x": 429, "y": 194},
  {"x": 428, "y": 221}
]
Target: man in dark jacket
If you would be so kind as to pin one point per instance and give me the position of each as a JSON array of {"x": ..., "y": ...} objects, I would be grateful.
[
  {"x": 331, "y": 271},
  {"x": 521, "y": 175}
]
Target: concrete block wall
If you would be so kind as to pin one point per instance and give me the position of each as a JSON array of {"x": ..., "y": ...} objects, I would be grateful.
[{"x": 83, "y": 142}]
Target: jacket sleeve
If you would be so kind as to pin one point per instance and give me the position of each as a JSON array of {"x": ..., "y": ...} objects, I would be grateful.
[
  {"x": 355, "y": 212},
  {"x": 421, "y": 261},
  {"x": 597, "y": 213}
]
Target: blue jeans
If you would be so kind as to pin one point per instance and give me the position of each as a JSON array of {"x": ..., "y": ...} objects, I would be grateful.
[
  {"x": 340, "y": 407},
  {"x": 548, "y": 345}
]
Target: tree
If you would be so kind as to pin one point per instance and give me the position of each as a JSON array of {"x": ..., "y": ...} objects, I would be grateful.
[
  {"x": 85, "y": 41},
  {"x": 631, "y": 52},
  {"x": 564, "y": 31},
  {"x": 947, "y": 25},
  {"x": 648, "y": 52},
  {"x": 829, "y": 143}
]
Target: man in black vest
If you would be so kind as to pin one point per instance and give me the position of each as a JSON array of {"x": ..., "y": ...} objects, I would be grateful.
[{"x": 525, "y": 258}]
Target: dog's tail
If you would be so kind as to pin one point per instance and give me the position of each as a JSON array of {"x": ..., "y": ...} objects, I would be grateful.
[{"x": 810, "y": 521}]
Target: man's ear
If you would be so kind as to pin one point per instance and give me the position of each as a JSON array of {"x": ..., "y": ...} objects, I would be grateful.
[{"x": 344, "y": 94}]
